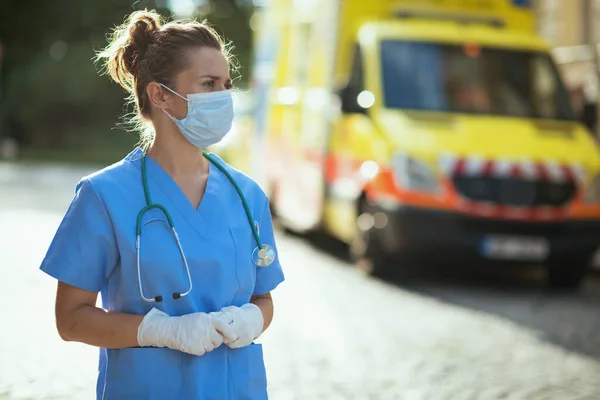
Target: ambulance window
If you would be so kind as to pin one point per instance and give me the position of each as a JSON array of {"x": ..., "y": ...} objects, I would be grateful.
[
  {"x": 545, "y": 90},
  {"x": 473, "y": 80}
]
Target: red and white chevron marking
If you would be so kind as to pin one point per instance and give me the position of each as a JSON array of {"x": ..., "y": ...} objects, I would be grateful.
[
  {"x": 522, "y": 169},
  {"x": 525, "y": 169}
]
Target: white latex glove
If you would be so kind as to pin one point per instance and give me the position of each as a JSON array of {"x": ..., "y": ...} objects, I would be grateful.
[
  {"x": 239, "y": 326},
  {"x": 194, "y": 333}
]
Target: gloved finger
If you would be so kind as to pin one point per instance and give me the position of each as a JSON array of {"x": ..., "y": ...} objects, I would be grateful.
[
  {"x": 225, "y": 330},
  {"x": 230, "y": 335},
  {"x": 193, "y": 350},
  {"x": 227, "y": 340},
  {"x": 209, "y": 346},
  {"x": 224, "y": 319},
  {"x": 230, "y": 314},
  {"x": 207, "y": 341},
  {"x": 199, "y": 352},
  {"x": 222, "y": 313},
  {"x": 236, "y": 344},
  {"x": 216, "y": 338},
  {"x": 155, "y": 312}
]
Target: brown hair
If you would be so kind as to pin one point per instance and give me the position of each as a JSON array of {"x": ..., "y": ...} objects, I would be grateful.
[{"x": 144, "y": 49}]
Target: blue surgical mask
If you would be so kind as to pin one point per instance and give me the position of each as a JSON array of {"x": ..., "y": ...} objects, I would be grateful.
[{"x": 209, "y": 117}]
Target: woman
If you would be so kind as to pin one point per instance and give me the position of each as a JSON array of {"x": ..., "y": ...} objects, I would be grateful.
[{"x": 180, "y": 311}]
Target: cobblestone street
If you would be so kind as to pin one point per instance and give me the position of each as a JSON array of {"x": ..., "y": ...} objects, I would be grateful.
[{"x": 336, "y": 334}]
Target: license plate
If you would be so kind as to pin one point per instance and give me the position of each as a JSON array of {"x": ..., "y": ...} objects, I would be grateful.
[{"x": 516, "y": 248}]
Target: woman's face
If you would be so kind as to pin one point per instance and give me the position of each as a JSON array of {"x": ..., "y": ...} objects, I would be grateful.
[{"x": 207, "y": 71}]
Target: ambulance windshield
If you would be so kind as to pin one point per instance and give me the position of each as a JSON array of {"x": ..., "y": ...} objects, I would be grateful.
[{"x": 472, "y": 79}]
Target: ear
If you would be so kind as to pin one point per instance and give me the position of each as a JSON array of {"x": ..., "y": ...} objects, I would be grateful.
[{"x": 158, "y": 95}]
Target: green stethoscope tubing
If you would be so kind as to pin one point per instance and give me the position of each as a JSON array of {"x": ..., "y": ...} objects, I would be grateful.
[
  {"x": 263, "y": 255},
  {"x": 150, "y": 205}
]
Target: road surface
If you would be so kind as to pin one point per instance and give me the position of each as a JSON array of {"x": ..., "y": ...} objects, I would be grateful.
[{"x": 336, "y": 334}]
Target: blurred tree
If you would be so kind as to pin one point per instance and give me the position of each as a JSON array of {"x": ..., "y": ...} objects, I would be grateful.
[
  {"x": 231, "y": 19},
  {"x": 51, "y": 96}
]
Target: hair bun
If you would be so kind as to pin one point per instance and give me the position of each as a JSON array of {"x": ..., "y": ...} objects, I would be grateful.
[{"x": 142, "y": 28}]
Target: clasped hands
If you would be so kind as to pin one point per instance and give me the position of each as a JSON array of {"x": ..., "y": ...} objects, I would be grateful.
[{"x": 199, "y": 333}]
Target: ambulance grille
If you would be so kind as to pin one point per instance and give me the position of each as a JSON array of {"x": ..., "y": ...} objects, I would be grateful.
[{"x": 515, "y": 192}]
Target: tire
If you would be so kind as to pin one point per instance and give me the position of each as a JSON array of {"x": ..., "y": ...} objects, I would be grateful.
[
  {"x": 366, "y": 251},
  {"x": 566, "y": 273}
]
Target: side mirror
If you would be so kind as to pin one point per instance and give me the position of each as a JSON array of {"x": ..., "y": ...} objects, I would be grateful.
[
  {"x": 589, "y": 116},
  {"x": 350, "y": 104}
]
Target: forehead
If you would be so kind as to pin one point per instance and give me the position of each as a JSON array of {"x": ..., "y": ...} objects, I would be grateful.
[{"x": 207, "y": 61}]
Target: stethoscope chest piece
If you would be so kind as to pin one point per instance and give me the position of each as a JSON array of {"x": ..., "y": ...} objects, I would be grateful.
[{"x": 264, "y": 256}]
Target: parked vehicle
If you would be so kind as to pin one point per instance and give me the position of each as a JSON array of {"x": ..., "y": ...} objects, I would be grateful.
[{"x": 431, "y": 129}]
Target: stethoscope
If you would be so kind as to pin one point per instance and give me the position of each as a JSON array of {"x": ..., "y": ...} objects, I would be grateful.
[{"x": 262, "y": 256}]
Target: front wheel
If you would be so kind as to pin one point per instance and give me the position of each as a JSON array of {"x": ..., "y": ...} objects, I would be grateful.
[
  {"x": 365, "y": 250},
  {"x": 566, "y": 273}
]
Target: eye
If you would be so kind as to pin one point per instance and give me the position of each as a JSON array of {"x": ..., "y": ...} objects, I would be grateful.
[
  {"x": 210, "y": 84},
  {"x": 228, "y": 86}
]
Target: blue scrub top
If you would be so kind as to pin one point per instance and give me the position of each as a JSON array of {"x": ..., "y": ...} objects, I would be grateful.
[{"x": 94, "y": 249}]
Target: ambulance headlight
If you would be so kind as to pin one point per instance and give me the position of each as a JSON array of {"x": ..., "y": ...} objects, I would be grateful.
[
  {"x": 414, "y": 175},
  {"x": 592, "y": 194}
]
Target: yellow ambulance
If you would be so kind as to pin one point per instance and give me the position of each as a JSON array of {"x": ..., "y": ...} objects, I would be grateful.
[{"x": 429, "y": 130}]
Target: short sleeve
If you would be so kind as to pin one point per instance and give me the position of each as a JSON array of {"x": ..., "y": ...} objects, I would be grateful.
[
  {"x": 268, "y": 278},
  {"x": 83, "y": 251}
]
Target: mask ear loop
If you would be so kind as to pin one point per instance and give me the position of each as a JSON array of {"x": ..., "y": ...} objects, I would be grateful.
[{"x": 175, "y": 93}]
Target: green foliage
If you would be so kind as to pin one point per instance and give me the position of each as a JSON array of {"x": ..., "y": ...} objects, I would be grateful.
[
  {"x": 52, "y": 99},
  {"x": 231, "y": 20},
  {"x": 51, "y": 91}
]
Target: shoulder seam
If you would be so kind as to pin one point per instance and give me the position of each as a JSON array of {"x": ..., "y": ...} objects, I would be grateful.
[{"x": 97, "y": 195}]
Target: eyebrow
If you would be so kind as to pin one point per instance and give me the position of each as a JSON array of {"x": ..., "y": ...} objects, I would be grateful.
[{"x": 215, "y": 77}]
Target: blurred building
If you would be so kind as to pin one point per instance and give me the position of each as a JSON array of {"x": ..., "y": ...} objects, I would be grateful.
[{"x": 569, "y": 27}]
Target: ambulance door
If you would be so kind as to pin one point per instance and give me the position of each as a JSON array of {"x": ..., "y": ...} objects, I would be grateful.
[
  {"x": 294, "y": 197},
  {"x": 300, "y": 191}
]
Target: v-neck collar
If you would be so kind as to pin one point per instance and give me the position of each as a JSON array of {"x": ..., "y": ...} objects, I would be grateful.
[{"x": 197, "y": 218}]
